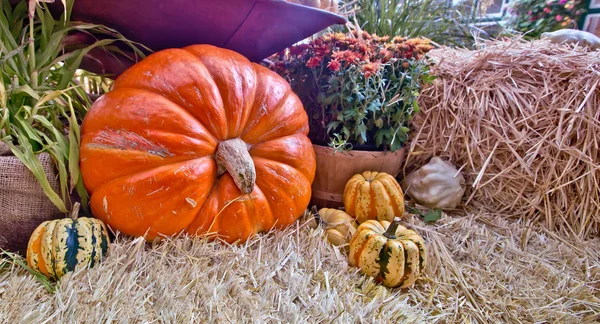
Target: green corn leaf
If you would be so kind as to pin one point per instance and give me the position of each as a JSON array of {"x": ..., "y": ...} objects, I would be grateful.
[
  {"x": 41, "y": 93},
  {"x": 5, "y": 117},
  {"x": 74, "y": 141},
  {"x": 18, "y": 261},
  {"x": 3, "y": 94},
  {"x": 28, "y": 90},
  {"x": 51, "y": 50},
  {"x": 47, "y": 97},
  {"x": 59, "y": 149},
  {"x": 57, "y": 153},
  {"x": 5, "y": 29},
  {"x": 58, "y": 137},
  {"x": 28, "y": 131}
]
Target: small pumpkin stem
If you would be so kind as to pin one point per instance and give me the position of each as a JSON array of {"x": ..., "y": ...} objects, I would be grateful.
[
  {"x": 391, "y": 230},
  {"x": 232, "y": 156},
  {"x": 317, "y": 216},
  {"x": 75, "y": 211}
]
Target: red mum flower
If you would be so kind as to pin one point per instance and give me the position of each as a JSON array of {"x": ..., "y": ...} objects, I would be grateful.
[
  {"x": 364, "y": 48},
  {"x": 295, "y": 50},
  {"x": 347, "y": 56},
  {"x": 334, "y": 65},
  {"x": 386, "y": 55},
  {"x": 322, "y": 50},
  {"x": 313, "y": 62},
  {"x": 340, "y": 55},
  {"x": 351, "y": 41}
]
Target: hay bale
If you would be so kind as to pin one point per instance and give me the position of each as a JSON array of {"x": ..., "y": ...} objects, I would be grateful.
[{"x": 522, "y": 120}]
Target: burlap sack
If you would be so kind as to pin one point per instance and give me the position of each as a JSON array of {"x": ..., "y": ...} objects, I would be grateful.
[{"x": 23, "y": 204}]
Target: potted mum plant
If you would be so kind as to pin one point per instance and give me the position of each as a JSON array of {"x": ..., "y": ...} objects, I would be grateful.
[{"x": 360, "y": 93}]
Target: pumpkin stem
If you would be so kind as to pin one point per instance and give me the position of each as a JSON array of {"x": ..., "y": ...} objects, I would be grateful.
[
  {"x": 232, "y": 156},
  {"x": 317, "y": 216},
  {"x": 390, "y": 233},
  {"x": 75, "y": 211}
]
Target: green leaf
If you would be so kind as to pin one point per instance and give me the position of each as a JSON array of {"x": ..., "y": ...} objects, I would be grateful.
[
  {"x": 416, "y": 106},
  {"x": 332, "y": 126},
  {"x": 429, "y": 216},
  {"x": 363, "y": 132},
  {"x": 31, "y": 161},
  {"x": 395, "y": 145},
  {"x": 379, "y": 138},
  {"x": 18, "y": 260},
  {"x": 28, "y": 90},
  {"x": 432, "y": 215}
]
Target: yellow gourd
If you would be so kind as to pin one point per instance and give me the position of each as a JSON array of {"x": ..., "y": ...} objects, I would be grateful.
[{"x": 339, "y": 225}]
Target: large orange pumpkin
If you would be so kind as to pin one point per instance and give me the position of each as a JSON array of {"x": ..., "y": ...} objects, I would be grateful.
[{"x": 198, "y": 140}]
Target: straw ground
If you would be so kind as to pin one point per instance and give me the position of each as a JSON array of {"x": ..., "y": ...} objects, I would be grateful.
[{"x": 483, "y": 269}]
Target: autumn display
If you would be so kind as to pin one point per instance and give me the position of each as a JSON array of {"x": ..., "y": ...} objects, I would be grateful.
[{"x": 361, "y": 161}]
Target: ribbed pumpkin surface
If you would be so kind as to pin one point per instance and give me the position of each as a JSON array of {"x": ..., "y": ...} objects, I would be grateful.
[
  {"x": 373, "y": 195},
  {"x": 60, "y": 246},
  {"x": 396, "y": 262},
  {"x": 148, "y": 147}
]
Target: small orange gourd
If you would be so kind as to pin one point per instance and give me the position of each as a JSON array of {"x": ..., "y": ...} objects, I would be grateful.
[{"x": 373, "y": 195}]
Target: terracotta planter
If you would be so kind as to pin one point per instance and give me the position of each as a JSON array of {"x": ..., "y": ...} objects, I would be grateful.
[{"x": 334, "y": 170}]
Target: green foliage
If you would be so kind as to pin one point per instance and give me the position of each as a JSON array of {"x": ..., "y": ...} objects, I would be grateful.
[
  {"x": 41, "y": 104},
  {"x": 374, "y": 109},
  {"x": 8, "y": 259},
  {"x": 535, "y": 17},
  {"x": 433, "y": 19},
  {"x": 430, "y": 216},
  {"x": 357, "y": 89}
]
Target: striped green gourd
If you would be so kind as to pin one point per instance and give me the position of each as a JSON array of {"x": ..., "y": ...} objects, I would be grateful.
[
  {"x": 389, "y": 252},
  {"x": 63, "y": 245}
]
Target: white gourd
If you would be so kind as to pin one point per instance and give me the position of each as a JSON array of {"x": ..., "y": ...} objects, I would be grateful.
[
  {"x": 438, "y": 184},
  {"x": 573, "y": 36}
]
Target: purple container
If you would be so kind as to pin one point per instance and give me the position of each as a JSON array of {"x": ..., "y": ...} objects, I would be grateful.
[{"x": 253, "y": 28}]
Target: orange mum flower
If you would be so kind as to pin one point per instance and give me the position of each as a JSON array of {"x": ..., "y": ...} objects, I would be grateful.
[
  {"x": 423, "y": 48},
  {"x": 398, "y": 39},
  {"x": 369, "y": 69}
]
